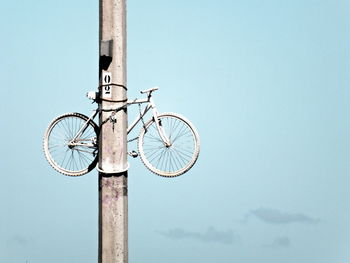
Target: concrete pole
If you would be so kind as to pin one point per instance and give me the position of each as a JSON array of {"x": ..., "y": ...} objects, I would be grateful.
[{"x": 113, "y": 200}]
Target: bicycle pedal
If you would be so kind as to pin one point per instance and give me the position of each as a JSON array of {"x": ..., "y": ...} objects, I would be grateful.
[{"x": 133, "y": 154}]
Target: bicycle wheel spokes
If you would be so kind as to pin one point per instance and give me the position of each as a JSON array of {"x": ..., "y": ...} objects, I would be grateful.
[
  {"x": 176, "y": 158},
  {"x": 67, "y": 153}
]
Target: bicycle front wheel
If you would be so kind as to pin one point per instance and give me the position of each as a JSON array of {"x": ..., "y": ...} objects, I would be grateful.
[
  {"x": 67, "y": 156},
  {"x": 174, "y": 159}
]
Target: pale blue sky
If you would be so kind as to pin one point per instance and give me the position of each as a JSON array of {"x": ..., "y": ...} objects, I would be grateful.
[{"x": 264, "y": 82}]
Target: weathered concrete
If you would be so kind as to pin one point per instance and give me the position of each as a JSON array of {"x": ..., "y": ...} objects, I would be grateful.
[
  {"x": 113, "y": 199},
  {"x": 113, "y": 219}
]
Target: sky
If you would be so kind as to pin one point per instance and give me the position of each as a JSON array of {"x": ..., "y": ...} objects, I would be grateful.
[{"x": 265, "y": 82}]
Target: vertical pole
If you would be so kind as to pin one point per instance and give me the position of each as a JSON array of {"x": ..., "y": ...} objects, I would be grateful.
[{"x": 113, "y": 202}]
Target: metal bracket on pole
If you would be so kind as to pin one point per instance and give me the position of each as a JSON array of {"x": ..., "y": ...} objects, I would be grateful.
[{"x": 113, "y": 172}]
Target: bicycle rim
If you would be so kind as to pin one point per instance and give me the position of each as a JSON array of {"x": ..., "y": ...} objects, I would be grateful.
[
  {"x": 173, "y": 160},
  {"x": 67, "y": 159}
]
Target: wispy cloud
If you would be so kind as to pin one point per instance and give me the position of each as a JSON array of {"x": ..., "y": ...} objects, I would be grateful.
[
  {"x": 17, "y": 240},
  {"x": 210, "y": 235},
  {"x": 279, "y": 242},
  {"x": 274, "y": 216}
]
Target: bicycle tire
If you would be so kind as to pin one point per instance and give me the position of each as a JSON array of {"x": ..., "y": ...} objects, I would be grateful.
[
  {"x": 175, "y": 159},
  {"x": 81, "y": 159}
]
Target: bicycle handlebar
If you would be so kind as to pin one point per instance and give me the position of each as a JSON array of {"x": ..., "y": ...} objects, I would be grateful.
[{"x": 149, "y": 90}]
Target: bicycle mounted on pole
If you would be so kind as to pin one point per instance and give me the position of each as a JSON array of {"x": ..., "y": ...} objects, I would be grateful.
[{"x": 168, "y": 144}]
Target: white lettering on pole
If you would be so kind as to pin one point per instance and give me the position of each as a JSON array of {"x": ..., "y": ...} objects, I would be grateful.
[{"x": 106, "y": 89}]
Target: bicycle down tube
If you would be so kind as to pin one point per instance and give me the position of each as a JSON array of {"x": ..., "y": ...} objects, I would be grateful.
[
  {"x": 150, "y": 105},
  {"x": 137, "y": 119}
]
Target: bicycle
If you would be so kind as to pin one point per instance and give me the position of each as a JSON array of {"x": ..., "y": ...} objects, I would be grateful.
[{"x": 168, "y": 144}]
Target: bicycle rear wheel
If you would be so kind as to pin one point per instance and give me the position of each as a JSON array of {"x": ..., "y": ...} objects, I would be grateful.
[
  {"x": 173, "y": 160},
  {"x": 68, "y": 157}
]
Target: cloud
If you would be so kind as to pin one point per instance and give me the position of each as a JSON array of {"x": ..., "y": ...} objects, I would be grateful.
[
  {"x": 279, "y": 242},
  {"x": 211, "y": 235},
  {"x": 17, "y": 240},
  {"x": 274, "y": 216}
]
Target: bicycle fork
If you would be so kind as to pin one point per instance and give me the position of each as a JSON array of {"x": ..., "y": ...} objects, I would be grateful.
[{"x": 160, "y": 129}]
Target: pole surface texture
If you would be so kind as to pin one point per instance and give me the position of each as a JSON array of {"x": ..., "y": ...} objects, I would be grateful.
[{"x": 113, "y": 193}]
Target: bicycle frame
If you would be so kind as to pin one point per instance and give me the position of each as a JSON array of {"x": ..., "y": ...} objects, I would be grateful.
[{"x": 150, "y": 105}]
